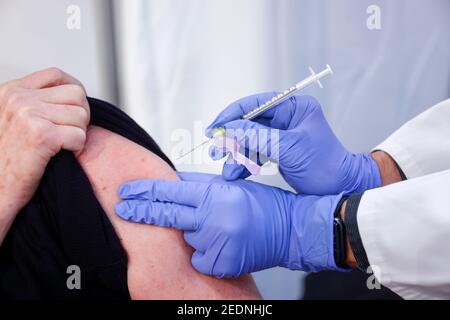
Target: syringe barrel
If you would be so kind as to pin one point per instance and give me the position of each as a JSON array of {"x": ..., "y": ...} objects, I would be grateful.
[
  {"x": 287, "y": 94},
  {"x": 270, "y": 104}
]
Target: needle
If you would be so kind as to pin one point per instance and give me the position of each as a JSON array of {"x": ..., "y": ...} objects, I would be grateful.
[{"x": 193, "y": 149}]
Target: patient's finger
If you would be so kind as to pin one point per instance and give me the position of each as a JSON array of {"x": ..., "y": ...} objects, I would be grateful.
[
  {"x": 47, "y": 78},
  {"x": 181, "y": 192},
  {"x": 65, "y": 94},
  {"x": 68, "y": 115},
  {"x": 158, "y": 213},
  {"x": 70, "y": 138}
]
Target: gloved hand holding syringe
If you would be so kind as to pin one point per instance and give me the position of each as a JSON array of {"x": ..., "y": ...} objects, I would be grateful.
[
  {"x": 218, "y": 134},
  {"x": 237, "y": 226}
]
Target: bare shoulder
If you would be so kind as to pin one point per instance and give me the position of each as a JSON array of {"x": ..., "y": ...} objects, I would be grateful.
[{"x": 159, "y": 260}]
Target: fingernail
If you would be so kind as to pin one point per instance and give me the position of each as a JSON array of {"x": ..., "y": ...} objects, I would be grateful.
[{"x": 119, "y": 208}]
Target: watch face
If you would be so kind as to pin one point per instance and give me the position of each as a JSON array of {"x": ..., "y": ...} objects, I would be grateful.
[{"x": 339, "y": 242}]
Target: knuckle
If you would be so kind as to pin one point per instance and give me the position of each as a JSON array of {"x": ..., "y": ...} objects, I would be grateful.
[
  {"x": 310, "y": 102},
  {"x": 16, "y": 100},
  {"x": 78, "y": 90},
  {"x": 228, "y": 267},
  {"x": 78, "y": 93},
  {"x": 22, "y": 113},
  {"x": 83, "y": 115},
  {"x": 54, "y": 73},
  {"x": 40, "y": 133},
  {"x": 5, "y": 89},
  {"x": 235, "y": 226}
]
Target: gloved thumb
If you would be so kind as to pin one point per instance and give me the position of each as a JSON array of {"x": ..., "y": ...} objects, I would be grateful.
[
  {"x": 197, "y": 176},
  {"x": 255, "y": 137},
  {"x": 200, "y": 263},
  {"x": 232, "y": 170}
]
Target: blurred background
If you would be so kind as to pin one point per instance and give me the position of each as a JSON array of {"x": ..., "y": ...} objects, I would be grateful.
[{"x": 174, "y": 64}]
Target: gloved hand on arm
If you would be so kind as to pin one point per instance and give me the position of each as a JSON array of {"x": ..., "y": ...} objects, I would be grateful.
[
  {"x": 310, "y": 157},
  {"x": 237, "y": 227}
]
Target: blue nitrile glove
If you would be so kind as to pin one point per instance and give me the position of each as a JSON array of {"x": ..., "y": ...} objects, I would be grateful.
[
  {"x": 237, "y": 227},
  {"x": 310, "y": 157}
]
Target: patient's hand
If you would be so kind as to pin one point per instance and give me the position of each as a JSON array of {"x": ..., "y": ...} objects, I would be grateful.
[{"x": 159, "y": 264}]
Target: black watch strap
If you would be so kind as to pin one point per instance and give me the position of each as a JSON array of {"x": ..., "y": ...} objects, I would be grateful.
[{"x": 354, "y": 237}]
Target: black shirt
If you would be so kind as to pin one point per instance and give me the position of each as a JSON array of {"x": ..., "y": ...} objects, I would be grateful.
[{"x": 64, "y": 225}]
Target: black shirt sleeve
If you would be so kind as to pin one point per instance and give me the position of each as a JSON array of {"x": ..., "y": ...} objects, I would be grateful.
[{"x": 65, "y": 225}]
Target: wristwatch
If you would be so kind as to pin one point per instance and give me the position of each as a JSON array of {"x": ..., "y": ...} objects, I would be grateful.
[{"x": 339, "y": 234}]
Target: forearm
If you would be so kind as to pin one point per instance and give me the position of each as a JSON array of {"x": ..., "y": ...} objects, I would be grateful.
[
  {"x": 9, "y": 201},
  {"x": 7, "y": 215},
  {"x": 35, "y": 123},
  {"x": 17, "y": 187}
]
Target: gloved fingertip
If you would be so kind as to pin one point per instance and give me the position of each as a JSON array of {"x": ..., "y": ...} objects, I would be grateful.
[
  {"x": 209, "y": 130},
  {"x": 182, "y": 175},
  {"x": 216, "y": 153},
  {"x": 234, "y": 124},
  {"x": 232, "y": 172},
  {"x": 245, "y": 174},
  {"x": 199, "y": 263},
  {"x": 123, "y": 210},
  {"x": 124, "y": 190}
]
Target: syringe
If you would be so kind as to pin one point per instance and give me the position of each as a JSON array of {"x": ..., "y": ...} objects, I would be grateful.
[{"x": 278, "y": 99}]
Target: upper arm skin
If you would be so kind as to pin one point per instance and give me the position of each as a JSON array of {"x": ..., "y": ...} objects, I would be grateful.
[{"x": 159, "y": 264}]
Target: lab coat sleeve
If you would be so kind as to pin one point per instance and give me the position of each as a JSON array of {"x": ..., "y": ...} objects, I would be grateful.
[
  {"x": 422, "y": 145},
  {"x": 405, "y": 231}
]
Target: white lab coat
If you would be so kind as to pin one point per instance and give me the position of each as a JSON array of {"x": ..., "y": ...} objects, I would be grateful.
[
  {"x": 405, "y": 227},
  {"x": 181, "y": 62}
]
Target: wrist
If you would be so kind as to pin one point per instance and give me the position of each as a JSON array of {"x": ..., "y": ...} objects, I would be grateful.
[
  {"x": 312, "y": 234},
  {"x": 7, "y": 215},
  {"x": 388, "y": 168},
  {"x": 10, "y": 200},
  {"x": 363, "y": 173}
]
